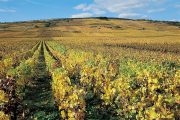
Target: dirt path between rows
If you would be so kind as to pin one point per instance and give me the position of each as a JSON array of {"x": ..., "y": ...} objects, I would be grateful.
[{"x": 39, "y": 101}]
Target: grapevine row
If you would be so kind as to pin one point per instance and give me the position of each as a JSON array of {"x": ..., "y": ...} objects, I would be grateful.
[
  {"x": 9, "y": 96},
  {"x": 91, "y": 86}
]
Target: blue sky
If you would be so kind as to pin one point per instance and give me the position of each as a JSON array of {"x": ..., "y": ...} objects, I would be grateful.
[{"x": 19, "y": 10}]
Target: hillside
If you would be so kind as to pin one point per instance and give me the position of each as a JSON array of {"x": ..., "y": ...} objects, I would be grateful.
[
  {"x": 87, "y": 28},
  {"x": 92, "y": 69},
  {"x": 105, "y": 35}
]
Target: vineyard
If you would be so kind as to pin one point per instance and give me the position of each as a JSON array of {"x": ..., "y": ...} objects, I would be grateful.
[{"x": 89, "y": 69}]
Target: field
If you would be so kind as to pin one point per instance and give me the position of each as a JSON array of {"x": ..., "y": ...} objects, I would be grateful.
[{"x": 93, "y": 69}]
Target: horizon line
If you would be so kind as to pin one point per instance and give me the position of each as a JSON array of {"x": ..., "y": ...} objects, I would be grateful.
[{"x": 101, "y": 17}]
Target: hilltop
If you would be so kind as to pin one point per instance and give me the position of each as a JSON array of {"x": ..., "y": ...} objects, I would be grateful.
[{"x": 99, "y": 34}]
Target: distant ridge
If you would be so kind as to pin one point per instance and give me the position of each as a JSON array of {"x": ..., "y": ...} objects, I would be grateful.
[{"x": 176, "y": 23}]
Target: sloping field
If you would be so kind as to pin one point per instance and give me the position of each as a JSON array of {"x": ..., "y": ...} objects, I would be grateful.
[{"x": 92, "y": 69}]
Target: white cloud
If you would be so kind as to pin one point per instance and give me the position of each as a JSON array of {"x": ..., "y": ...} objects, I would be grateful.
[
  {"x": 36, "y": 3},
  {"x": 82, "y": 15},
  {"x": 93, "y": 8},
  {"x": 175, "y": 20},
  {"x": 128, "y": 15},
  {"x": 80, "y": 6},
  {"x": 156, "y": 10},
  {"x": 98, "y": 12},
  {"x": 132, "y": 15},
  {"x": 120, "y": 7},
  {"x": 177, "y": 6},
  {"x": 115, "y": 6},
  {"x": 7, "y": 10}
]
